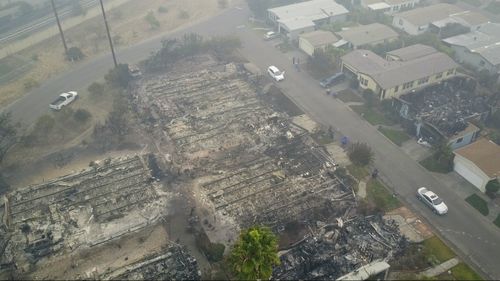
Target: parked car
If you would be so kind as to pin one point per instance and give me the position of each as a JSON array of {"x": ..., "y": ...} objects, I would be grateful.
[
  {"x": 270, "y": 35},
  {"x": 63, "y": 100},
  {"x": 275, "y": 73},
  {"x": 332, "y": 80},
  {"x": 432, "y": 200}
]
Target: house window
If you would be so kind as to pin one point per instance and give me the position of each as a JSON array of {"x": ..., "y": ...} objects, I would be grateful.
[
  {"x": 459, "y": 140},
  {"x": 450, "y": 72},
  {"x": 439, "y": 75},
  {"x": 407, "y": 85}
]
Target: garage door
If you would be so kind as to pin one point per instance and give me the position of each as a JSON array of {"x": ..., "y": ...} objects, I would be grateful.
[{"x": 469, "y": 175}]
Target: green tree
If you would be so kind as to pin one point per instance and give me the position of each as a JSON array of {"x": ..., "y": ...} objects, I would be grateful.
[
  {"x": 492, "y": 188},
  {"x": 443, "y": 154},
  {"x": 119, "y": 76},
  {"x": 74, "y": 54},
  {"x": 254, "y": 254},
  {"x": 360, "y": 154},
  {"x": 150, "y": 18}
]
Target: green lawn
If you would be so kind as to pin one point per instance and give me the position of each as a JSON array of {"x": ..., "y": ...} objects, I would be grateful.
[
  {"x": 463, "y": 272},
  {"x": 494, "y": 7},
  {"x": 372, "y": 116},
  {"x": 348, "y": 95},
  {"x": 431, "y": 164},
  {"x": 378, "y": 194},
  {"x": 478, "y": 203},
  {"x": 322, "y": 138},
  {"x": 435, "y": 249},
  {"x": 358, "y": 172},
  {"x": 497, "y": 221},
  {"x": 396, "y": 136}
]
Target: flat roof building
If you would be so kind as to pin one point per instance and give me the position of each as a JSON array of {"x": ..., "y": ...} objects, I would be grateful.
[
  {"x": 319, "y": 39},
  {"x": 370, "y": 34},
  {"x": 295, "y": 19}
]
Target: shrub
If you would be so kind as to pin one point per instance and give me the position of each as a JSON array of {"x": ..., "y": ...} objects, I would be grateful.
[
  {"x": 96, "y": 89},
  {"x": 74, "y": 54},
  {"x": 119, "y": 76},
  {"x": 183, "y": 14},
  {"x": 360, "y": 154},
  {"x": 150, "y": 18},
  {"x": 81, "y": 115},
  {"x": 162, "y": 9},
  {"x": 30, "y": 83},
  {"x": 492, "y": 188}
]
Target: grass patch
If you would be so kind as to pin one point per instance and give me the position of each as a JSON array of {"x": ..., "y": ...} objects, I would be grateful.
[
  {"x": 494, "y": 7},
  {"x": 322, "y": 138},
  {"x": 396, "y": 136},
  {"x": 358, "y": 172},
  {"x": 431, "y": 164},
  {"x": 475, "y": 3},
  {"x": 379, "y": 195},
  {"x": 463, "y": 272},
  {"x": 478, "y": 203},
  {"x": 348, "y": 95},
  {"x": 372, "y": 116},
  {"x": 435, "y": 249},
  {"x": 497, "y": 221}
]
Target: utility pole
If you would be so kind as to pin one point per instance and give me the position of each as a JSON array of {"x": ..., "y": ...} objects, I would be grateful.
[
  {"x": 109, "y": 36},
  {"x": 60, "y": 28}
]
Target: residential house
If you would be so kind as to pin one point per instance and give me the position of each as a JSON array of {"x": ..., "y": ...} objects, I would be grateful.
[
  {"x": 479, "y": 48},
  {"x": 478, "y": 162},
  {"x": 295, "y": 19},
  {"x": 419, "y": 20},
  {"x": 370, "y": 34},
  {"x": 319, "y": 39},
  {"x": 389, "y": 6},
  {"x": 404, "y": 70}
]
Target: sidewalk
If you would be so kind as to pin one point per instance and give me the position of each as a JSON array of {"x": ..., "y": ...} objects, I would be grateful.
[{"x": 442, "y": 268}]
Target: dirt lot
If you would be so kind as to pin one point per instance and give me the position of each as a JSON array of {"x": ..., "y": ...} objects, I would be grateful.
[{"x": 128, "y": 26}]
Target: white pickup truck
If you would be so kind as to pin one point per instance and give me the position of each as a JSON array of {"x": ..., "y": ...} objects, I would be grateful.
[{"x": 63, "y": 100}]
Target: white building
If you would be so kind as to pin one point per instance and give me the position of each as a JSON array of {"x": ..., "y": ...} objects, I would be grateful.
[
  {"x": 419, "y": 20},
  {"x": 479, "y": 48},
  {"x": 293, "y": 20},
  {"x": 319, "y": 39},
  {"x": 389, "y": 6},
  {"x": 478, "y": 162}
]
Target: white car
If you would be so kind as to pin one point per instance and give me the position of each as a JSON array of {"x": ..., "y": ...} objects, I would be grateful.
[
  {"x": 432, "y": 200},
  {"x": 63, "y": 100},
  {"x": 275, "y": 73},
  {"x": 270, "y": 35}
]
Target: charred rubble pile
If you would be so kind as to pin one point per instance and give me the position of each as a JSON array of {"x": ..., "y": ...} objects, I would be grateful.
[
  {"x": 174, "y": 263},
  {"x": 448, "y": 106},
  {"x": 340, "y": 248}
]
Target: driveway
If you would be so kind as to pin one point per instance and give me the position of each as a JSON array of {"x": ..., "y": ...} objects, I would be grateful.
[{"x": 475, "y": 237}]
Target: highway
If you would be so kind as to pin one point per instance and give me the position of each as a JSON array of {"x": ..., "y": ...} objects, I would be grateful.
[{"x": 474, "y": 237}]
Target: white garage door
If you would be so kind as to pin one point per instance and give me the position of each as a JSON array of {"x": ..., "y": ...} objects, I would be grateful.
[{"x": 469, "y": 175}]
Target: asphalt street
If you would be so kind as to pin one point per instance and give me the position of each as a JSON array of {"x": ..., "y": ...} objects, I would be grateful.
[{"x": 475, "y": 238}]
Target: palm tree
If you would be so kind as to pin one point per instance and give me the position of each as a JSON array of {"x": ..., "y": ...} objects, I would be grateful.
[{"x": 254, "y": 254}]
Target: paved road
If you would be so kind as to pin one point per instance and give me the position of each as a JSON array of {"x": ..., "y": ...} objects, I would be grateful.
[{"x": 476, "y": 238}]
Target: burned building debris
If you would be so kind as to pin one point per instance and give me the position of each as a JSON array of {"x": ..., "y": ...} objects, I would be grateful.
[
  {"x": 171, "y": 264},
  {"x": 109, "y": 200},
  {"x": 444, "y": 109},
  {"x": 340, "y": 248}
]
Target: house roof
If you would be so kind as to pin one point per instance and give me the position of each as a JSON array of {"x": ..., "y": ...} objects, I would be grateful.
[
  {"x": 367, "y": 34},
  {"x": 397, "y": 2},
  {"x": 412, "y": 52},
  {"x": 485, "y": 41},
  {"x": 308, "y": 11},
  {"x": 426, "y": 15},
  {"x": 298, "y": 23},
  {"x": 320, "y": 38},
  {"x": 471, "y": 18},
  {"x": 379, "y": 6},
  {"x": 392, "y": 73},
  {"x": 485, "y": 154}
]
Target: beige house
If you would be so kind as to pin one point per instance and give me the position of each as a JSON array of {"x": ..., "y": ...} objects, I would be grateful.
[
  {"x": 370, "y": 34},
  {"x": 403, "y": 71},
  {"x": 319, "y": 39},
  {"x": 478, "y": 162}
]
